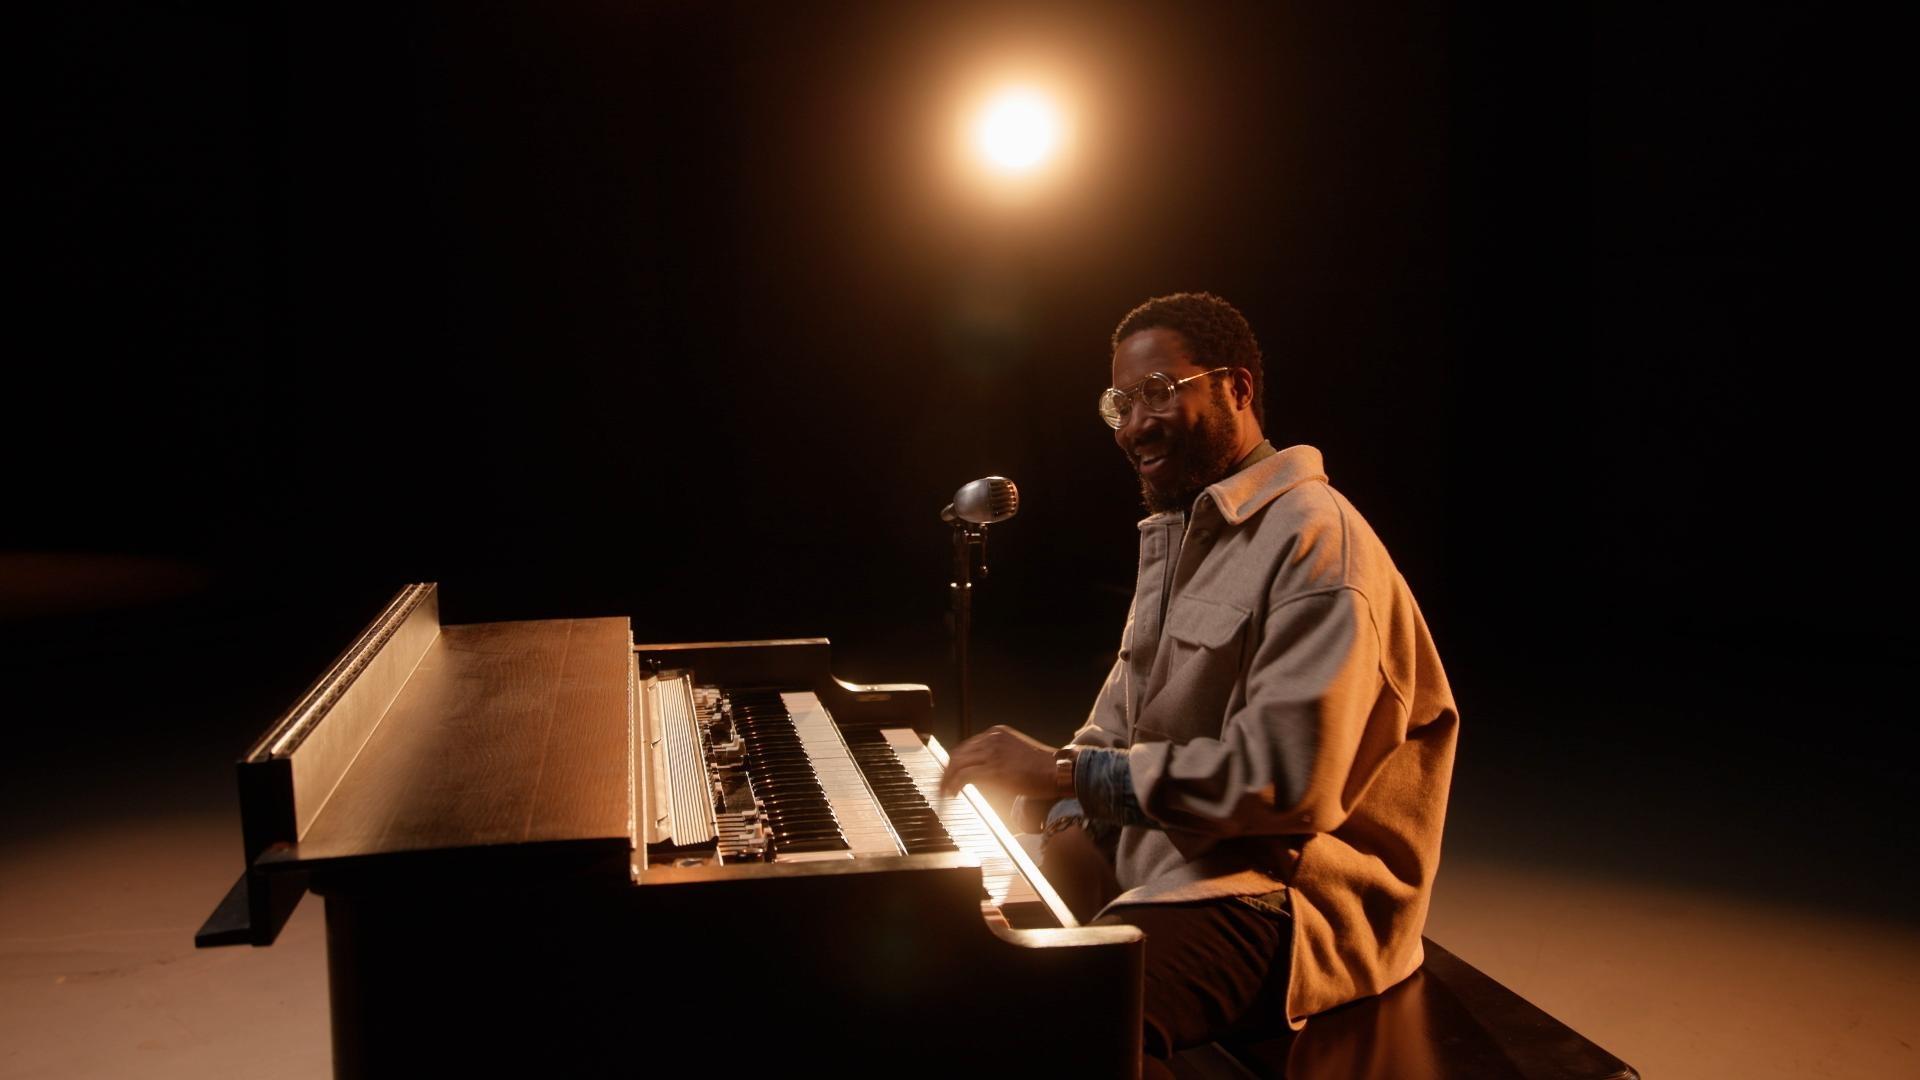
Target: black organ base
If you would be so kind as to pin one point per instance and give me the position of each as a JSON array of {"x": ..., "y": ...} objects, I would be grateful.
[{"x": 883, "y": 968}]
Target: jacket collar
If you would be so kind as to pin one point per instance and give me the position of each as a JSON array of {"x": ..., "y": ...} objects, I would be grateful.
[{"x": 1243, "y": 494}]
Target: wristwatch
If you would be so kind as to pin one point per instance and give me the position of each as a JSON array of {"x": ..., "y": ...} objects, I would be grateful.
[{"x": 1064, "y": 759}]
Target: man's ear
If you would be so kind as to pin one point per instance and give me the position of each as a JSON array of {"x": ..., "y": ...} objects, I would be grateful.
[{"x": 1243, "y": 387}]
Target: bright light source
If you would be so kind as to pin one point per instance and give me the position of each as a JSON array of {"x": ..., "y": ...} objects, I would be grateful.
[{"x": 1018, "y": 130}]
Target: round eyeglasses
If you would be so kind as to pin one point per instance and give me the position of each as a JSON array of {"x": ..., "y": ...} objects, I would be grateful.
[{"x": 1156, "y": 392}]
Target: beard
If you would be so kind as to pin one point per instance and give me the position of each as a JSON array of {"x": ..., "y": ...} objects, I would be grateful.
[{"x": 1200, "y": 455}]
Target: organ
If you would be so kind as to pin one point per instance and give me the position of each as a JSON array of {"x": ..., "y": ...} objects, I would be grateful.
[{"x": 541, "y": 846}]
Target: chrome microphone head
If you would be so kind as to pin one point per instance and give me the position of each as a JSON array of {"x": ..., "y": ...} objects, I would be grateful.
[{"x": 987, "y": 501}]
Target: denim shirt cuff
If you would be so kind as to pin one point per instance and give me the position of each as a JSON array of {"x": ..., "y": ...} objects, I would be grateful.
[{"x": 1103, "y": 782}]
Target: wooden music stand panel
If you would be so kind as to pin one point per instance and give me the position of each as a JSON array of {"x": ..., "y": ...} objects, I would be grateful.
[{"x": 288, "y": 774}]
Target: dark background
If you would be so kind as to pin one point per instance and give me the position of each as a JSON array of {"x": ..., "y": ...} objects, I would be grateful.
[{"x": 676, "y": 311}]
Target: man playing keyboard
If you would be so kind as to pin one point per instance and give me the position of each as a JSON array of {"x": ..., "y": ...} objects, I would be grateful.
[{"x": 1262, "y": 781}]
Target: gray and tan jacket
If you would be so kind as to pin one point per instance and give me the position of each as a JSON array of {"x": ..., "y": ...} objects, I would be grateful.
[{"x": 1287, "y": 721}]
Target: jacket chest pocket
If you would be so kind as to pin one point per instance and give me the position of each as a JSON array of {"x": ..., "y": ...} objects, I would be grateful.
[{"x": 1195, "y": 677}]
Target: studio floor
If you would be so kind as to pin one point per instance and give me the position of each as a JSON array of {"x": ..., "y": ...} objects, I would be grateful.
[
  {"x": 1749, "y": 928},
  {"x": 99, "y": 977}
]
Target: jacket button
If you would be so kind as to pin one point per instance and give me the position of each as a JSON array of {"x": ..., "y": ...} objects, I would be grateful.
[{"x": 1126, "y": 654}]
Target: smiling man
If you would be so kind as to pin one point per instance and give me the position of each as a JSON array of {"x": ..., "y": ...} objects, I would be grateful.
[{"x": 1262, "y": 781}]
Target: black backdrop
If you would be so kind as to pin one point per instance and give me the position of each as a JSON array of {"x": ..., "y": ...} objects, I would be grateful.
[{"x": 674, "y": 311}]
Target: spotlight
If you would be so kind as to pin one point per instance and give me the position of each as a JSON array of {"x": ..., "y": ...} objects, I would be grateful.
[{"x": 1018, "y": 130}]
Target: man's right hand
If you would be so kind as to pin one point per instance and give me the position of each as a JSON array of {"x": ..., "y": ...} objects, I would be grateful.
[{"x": 1001, "y": 758}]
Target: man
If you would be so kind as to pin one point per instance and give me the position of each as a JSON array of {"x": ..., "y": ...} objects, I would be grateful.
[{"x": 1267, "y": 764}]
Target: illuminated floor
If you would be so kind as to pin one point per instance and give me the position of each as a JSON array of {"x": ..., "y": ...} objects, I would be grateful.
[
  {"x": 1691, "y": 984},
  {"x": 1696, "y": 930},
  {"x": 98, "y": 976}
]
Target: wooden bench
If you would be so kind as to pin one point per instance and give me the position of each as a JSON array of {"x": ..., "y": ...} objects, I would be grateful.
[{"x": 1448, "y": 1021}]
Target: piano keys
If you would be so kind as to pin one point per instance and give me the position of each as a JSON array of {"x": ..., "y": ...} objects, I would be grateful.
[
  {"x": 1012, "y": 883},
  {"x": 543, "y": 847},
  {"x": 778, "y": 780}
]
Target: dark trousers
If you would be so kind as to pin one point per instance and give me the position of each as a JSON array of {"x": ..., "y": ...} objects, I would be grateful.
[{"x": 1213, "y": 966}]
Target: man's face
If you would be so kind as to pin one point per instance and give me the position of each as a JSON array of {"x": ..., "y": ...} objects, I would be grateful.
[{"x": 1178, "y": 452}]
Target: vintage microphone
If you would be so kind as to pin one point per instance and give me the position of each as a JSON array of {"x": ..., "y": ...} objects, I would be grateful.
[{"x": 986, "y": 501}]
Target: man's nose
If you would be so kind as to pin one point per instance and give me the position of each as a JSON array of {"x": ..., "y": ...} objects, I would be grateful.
[{"x": 1133, "y": 422}]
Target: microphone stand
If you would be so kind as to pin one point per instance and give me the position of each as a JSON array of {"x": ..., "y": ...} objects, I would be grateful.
[{"x": 967, "y": 538}]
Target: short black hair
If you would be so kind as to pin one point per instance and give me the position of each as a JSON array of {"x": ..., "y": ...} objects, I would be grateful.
[{"x": 1216, "y": 332}]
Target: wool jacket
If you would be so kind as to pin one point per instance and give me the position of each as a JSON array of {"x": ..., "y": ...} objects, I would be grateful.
[{"x": 1287, "y": 723}]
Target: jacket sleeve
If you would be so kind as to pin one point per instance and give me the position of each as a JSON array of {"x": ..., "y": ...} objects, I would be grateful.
[{"x": 1318, "y": 720}]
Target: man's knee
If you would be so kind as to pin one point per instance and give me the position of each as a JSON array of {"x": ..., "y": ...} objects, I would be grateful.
[{"x": 1211, "y": 967}]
